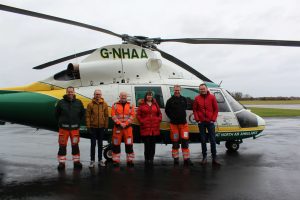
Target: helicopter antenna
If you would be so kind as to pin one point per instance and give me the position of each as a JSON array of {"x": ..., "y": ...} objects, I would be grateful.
[{"x": 220, "y": 83}]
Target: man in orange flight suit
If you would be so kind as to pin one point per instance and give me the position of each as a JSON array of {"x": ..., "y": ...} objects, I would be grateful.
[{"x": 122, "y": 114}]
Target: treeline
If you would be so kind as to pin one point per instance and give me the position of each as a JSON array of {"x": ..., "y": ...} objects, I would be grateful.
[{"x": 246, "y": 97}]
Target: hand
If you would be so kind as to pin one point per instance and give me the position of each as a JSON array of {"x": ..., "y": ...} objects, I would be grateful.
[{"x": 123, "y": 125}]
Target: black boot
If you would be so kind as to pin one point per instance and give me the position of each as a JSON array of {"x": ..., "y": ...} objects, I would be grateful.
[
  {"x": 215, "y": 163},
  {"x": 61, "y": 166},
  {"x": 204, "y": 161},
  {"x": 176, "y": 161},
  {"x": 188, "y": 162},
  {"x": 77, "y": 165}
]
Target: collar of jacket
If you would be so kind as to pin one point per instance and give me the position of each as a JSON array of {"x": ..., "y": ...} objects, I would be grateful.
[
  {"x": 205, "y": 95},
  {"x": 142, "y": 101},
  {"x": 101, "y": 100},
  {"x": 68, "y": 99}
]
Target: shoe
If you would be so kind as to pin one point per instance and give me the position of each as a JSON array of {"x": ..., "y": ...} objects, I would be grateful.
[
  {"x": 216, "y": 163},
  {"x": 61, "y": 166},
  {"x": 130, "y": 164},
  {"x": 101, "y": 163},
  {"x": 176, "y": 161},
  {"x": 116, "y": 164},
  {"x": 148, "y": 163},
  {"x": 77, "y": 165},
  {"x": 203, "y": 162},
  {"x": 92, "y": 164},
  {"x": 151, "y": 162},
  {"x": 188, "y": 162}
]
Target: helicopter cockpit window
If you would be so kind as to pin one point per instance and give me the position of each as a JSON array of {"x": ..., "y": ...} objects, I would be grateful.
[
  {"x": 236, "y": 106},
  {"x": 140, "y": 92},
  {"x": 189, "y": 94},
  {"x": 222, "y": 105},
  {"x": 67, "y": 75}
]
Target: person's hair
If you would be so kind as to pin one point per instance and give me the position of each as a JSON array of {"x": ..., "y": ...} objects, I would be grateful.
[
  {"x": 71, "y": 87},
  {"x": 177, "y": 86},
  {"x": 203, "y": 84},
  {"x": 146, "y": 94},
  {"x": 98, "y": 91}
]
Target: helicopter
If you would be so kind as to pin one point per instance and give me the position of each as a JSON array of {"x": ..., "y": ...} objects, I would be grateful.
[{"x": 135, "y": 66}]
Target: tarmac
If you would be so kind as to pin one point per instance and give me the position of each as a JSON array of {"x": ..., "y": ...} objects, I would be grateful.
[{"x": 265, "y": 168}]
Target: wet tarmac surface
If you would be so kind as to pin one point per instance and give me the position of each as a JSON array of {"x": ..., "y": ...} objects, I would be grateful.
[{"x": 264, "y": 168}]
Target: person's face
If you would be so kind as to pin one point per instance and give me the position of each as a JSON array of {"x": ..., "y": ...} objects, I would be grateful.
[
  {"x": 177, "y": 91},
  {"x": 149, "y": 97},
  {"x": 123, "y": 97},
  {"x": 97, "y": 95},
  {"x": 203, "y": 90},
  {"x": 70, "y": 93}
]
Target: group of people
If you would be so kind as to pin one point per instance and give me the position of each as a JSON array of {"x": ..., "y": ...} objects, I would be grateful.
[{"x": 70, "y": 111}]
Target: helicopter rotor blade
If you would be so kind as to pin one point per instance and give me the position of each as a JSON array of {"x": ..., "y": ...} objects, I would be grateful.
[
  {"x": 183, "y": 65},
  {"x": 54, "y": 62},
  {"x": 231, "y": 41},
  {"x": 57, "y": 19}
]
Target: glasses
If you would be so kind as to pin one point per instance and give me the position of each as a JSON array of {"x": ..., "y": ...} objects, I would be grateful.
[{"x": 98, "y": 94}]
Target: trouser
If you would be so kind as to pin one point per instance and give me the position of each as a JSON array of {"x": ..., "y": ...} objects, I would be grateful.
[
  {"x": 96, "y": 136},
  {"x": 126, "y": 135},
  {"x": 149, "y": 144},
  {"x": 64, "y": 134},
  {"x": 180, "y": 132},
  {"x": 210, "y": 127}
]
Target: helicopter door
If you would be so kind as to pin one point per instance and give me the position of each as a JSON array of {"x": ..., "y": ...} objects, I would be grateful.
[{"x": 226, "y": 118}]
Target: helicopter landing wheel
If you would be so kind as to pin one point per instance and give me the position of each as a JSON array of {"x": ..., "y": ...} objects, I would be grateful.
[
  {"x": 232, "y": 145},
  {"x": 107, "y": 152}
]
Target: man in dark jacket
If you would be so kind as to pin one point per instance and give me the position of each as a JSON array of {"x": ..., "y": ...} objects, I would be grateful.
[
  {"x": 176, "y": 111},
  {"x": 69, "y": 113},
  {"x": 205, "y": 109}
]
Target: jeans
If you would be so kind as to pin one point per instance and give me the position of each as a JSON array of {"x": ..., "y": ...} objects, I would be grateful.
[
  {"x": 210, "y": 127},
  {"x": 96, "y": 135},
  {"x": 149, "y": 143}
]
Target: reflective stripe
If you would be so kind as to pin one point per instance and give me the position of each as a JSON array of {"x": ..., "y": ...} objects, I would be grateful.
[
  {"x": 76, "y": 158},
  {"x": 175, "y": 153},
  {"x": 61, "y": 159},
  {"x": 130, "y": 157},
  {"x": 185, "y": 153},
  {"x": 116, "y": 157},
  {"x": 72, "y": 126}
]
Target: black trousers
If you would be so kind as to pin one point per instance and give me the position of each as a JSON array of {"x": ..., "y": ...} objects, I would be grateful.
[
  {"x": 149, "y": 144},
  {"x": 96, "y": 135}
]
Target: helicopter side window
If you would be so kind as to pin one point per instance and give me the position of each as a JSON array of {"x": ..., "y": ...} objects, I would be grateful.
[
  {"x": 222, "y": 105},
  {"x": 189, "y": 94},
  {"x": 140, "y": 92},
  {"x": 236, "y": 106},
  {"x": 66, "y": 75}
]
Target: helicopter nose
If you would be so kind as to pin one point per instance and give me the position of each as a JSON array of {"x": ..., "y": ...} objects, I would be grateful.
[
  {"x": 27, "y": 108},
  {"x": 260, "y": 121}
]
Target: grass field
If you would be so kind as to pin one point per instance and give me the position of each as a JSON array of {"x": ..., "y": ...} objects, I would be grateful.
[
  {"x": 270, "y": 102},
  {"x": 275, "y": 112}
]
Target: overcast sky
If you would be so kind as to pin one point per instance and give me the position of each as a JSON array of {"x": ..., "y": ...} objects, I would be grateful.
[{"x": 255, "y": 70}]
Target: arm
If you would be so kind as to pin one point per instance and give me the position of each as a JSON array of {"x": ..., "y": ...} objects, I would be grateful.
[
  {"x": 215, "y": 109},
  {"x": 113, "y": 115},
  {"x": 139, "y": 115},
  {"x": 82, "y": 111},
  {"x": 167, "y": 109},
  {"x": 158, "y": 112},
  {"x": 195, "y": 110},
  {"x": 105, "y": 115},
  {"x": 132, "y": 115},
  {"x": 88, "y": 116}
]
